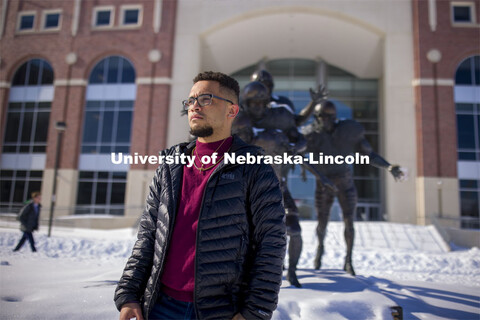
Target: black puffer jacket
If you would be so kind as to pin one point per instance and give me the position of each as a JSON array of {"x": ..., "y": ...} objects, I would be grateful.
[
  {"x": 29, "y": 218},
  {"x": 240, "y": 240}
]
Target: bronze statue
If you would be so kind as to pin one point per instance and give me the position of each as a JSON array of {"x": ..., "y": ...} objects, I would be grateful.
[
  {"x": 274, "y": 128},
  {"x": 266, "y": 79},
  {"x": 332, "y": 137}
]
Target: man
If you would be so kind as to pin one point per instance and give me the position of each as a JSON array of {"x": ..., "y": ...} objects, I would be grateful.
[
  {"x": 211, "y": 240},
  {"x": 332, "y": 137},
  {"x": 29, "y": 216},
  {"x": 275, "y": 130}
]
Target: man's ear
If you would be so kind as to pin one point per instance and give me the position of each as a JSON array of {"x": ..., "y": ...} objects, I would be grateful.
[{"x": 233, "y": 111}]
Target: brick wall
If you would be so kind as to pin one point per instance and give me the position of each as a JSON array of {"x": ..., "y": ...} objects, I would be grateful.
[
  {"x": 91, "y": 46},
  {"x": 455, "y": 44}
]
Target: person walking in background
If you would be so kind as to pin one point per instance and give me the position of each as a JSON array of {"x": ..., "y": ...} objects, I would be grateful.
[{"x": 29, "y": 217}]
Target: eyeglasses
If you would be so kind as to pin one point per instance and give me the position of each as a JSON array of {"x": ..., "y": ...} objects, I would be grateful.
[{"x": 203, "y": 100}]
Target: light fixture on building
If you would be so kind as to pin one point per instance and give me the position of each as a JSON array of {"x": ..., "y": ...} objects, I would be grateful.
[
  {"x": 71, "y": 58},
  {"x": 434, "y": 55},
  {"x": 154, "y": 55}
]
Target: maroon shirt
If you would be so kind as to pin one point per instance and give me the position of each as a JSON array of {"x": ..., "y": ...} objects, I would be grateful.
[{"x": 178, "y": 277}]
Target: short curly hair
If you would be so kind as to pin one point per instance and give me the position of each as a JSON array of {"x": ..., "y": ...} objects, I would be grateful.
[{"x": 226, "y": 82}]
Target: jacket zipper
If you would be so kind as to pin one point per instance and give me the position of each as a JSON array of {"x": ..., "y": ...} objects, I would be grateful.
[
  {"x": 157, "y": 276},
  {"x": 217, "y": 169}
]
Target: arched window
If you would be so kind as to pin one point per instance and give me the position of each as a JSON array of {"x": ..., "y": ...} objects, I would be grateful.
[
  {"x": 109, "y": 107},
  {"x": 113, "y": 69},
  {"x": 29, "y": 108},
  {"x": 354, "y": 98},
  {"x": 467, "y": 106},
  {"x": 25, "y": 133},
  {"x": 111, "y": 94},
  {"x": 35, "y": 72}
]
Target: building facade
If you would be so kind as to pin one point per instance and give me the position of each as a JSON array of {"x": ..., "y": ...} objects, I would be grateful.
[
  {"x": 116, "y": 71},
  {"x": 104, "y": 69}
]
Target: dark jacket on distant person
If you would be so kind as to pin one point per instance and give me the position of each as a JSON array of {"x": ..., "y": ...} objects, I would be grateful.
[
  {"x": 240, "y": 244},
  {"x": 29, "y": 218}
]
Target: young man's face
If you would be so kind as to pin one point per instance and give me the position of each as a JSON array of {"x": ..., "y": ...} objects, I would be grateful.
[
  {"x": 212, "y": 121},
  {"x": 37, "y": 199}
]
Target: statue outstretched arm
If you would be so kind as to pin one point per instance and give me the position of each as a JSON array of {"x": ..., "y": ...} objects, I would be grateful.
[
  {"x": 317, "y": 96},
  {"x": 378, "y": 161}
]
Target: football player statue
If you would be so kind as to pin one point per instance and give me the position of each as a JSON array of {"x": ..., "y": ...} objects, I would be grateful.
[
  {"x": 275, "y": 130},
  {"x": 332, "y": 137},
  {"x": 266, "y": 79}
]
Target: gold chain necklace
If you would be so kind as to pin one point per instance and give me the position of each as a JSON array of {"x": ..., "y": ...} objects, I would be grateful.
[{"x": 213, "y": 165}]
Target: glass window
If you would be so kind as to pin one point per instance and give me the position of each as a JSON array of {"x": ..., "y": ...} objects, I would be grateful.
[
  {"x": 91, "y": 125},
  {"x": 33, "y": 72},
  {"x": 107, "y": 126},
  {"x": 47, "y": 74},
  {"x": 27, "y": 127},
  {"x": 465, "y": 125},
  {"x": 26, "y": 130},
  {"x": 124, "y": 126},
  {"x": 463, "y": 76},
  {"x": 462, "y": 13},
  {"x": 128, "y": 73},
  {"x": 470, "y": 203},
  {"x": 468, "y": 72},
  {"x": 20, "y": 76},
  {"x": 51, "y": 20},
  {"x": 13, "y": 122},
  {"x": 84, "y": 195},
  {"x": 26, "y": 22},
  {"x": 97, "y": 76},
  {"x": 27, "y": 122},
  {"x": 131, "y": 16},
  {"x": 41, "y": 127},
  {"x": 16, "y": 187},
  {"x": 103, "y": 18},
  {"x": 468, "y": 114},
  {"x": 101, "y": 192},
  {"x": 468, "y": 137},
  {"x": 114, "y": 69}
]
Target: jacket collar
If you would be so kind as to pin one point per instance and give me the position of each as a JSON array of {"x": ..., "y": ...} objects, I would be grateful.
[{"x": 237, "y": 144}]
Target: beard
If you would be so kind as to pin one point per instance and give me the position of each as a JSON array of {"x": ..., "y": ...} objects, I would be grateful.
[{"x": 202, "y": 132}]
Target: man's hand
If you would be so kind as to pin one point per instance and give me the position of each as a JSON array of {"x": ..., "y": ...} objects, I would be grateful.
[
  {"x": 131, "y": 310},
  {"x": 238, "y": 316}
]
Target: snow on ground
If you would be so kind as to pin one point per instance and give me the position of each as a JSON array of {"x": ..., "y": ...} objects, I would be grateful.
[{"x": 74, "y": 273}]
